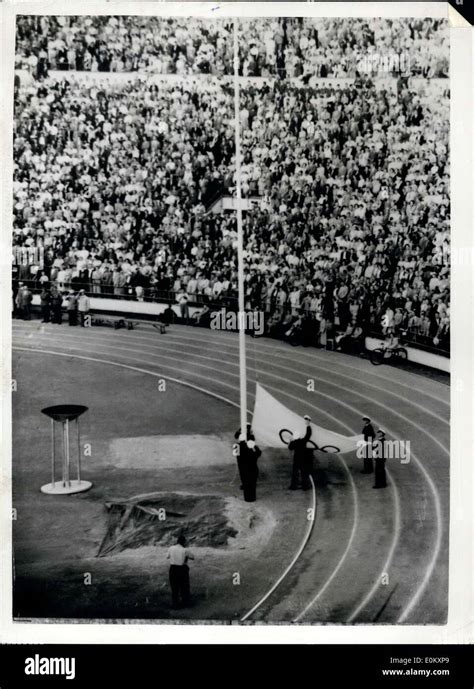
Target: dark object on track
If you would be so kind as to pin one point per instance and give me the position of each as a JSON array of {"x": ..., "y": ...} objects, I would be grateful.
[
  {"x": 382, "y": 355},
  {"x": 115, "y": 322},
  {"x": 161, "y": 327}
]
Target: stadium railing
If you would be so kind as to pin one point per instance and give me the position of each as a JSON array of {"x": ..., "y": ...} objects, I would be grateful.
[{"x": 128, "y": 301}]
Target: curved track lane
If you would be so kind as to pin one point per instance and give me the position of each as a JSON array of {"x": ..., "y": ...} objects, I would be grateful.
[{"x": 389, "y": 569}]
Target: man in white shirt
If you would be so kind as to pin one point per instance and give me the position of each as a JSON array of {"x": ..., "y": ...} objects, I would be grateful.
[
  {"x": 191, "y": 287},
  {"x": 178, "y": 555},
  {"x": 182, "y": 299},
  {"x": 217, "y": 288},
  {"x": 83, "y": 306}
]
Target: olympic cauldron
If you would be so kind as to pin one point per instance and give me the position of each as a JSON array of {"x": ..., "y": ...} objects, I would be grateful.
[{"x": 65, "y": 414}]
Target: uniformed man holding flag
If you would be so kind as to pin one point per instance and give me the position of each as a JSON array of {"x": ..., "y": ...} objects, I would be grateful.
[
  {"x": 380, "y": 459},
  {"x": 369, "y": 435},
  {"x": 247, "y": 457},
  {"x": 302, "y": 457}
]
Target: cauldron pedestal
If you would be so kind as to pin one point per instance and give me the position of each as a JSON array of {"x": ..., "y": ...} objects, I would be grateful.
[{"x": 65, "y": 414}]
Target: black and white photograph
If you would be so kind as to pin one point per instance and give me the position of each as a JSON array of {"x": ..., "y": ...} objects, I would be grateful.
[{"x": 230, "y": 297}]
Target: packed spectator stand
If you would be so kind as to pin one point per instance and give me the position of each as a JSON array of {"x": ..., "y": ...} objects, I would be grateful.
[
  {"x": 348, "y": 233},
  {"x": 268, "y": 46}
]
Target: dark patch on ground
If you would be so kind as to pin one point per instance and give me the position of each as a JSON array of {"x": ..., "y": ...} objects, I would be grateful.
[{"x": 159, "y": 519}]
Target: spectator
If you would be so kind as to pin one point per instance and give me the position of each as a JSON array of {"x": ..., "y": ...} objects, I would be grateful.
[
  {"x": 72, "y": 308},
  {"x": 182, "y": 300},
  {"x": 56, "y": 305},
  {"x": 112, "y": 182},
  {"x": 45, "y": 298},
  {"x": 83, "y": 307},
  {"x": 179, "y": 555},
  {"x": 24, "y": 301},
  {"x": 270, "y": 46}
]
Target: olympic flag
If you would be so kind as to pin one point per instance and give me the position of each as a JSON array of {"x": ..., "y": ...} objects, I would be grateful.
[{"x": 270, "y": 416}]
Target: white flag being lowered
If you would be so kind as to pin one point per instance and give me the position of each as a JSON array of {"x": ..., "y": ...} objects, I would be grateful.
[{"x": 270, "y": 416}]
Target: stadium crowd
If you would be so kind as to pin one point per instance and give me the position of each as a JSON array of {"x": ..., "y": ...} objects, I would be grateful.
[
  {"x": 350, "y": 221},
  {"x": 292, "y": 47}
]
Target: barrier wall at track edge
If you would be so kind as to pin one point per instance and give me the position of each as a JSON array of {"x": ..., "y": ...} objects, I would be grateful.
[{"x": 126, "y": 307}]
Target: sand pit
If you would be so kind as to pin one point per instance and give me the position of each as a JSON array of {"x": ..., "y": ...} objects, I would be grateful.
[
  {"x": 207, "y": 521},
  {"x": 169, "y": 451}
]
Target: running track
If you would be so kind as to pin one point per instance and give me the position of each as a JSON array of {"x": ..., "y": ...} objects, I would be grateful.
[{"x": 388, "y": 563}]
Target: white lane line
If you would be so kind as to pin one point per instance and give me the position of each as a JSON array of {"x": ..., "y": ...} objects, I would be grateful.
[
  {"x": 367, "y": 403},
  {"x": 318, "y": 368},
  {"x": 99, "y": 345},
  {"x": 192, "y": 373},
  {"x": 428, "y": 478},
  {"x": 132, "y": 368},
  {"x": 393, "y": 546},
  {"x": 339, "y": 387},
  {"x": 355, "y": 523},
  {"x": 295, "y": 559},
  {"x": 438, "y": 511},
  {"x": 355, "y": 519},
  {"x": 322, "y": 366},
  {"x": 415, "y": 458},
  {"x": 439, "y": 525},
  {"x": 387, "y": 564},
  {"x": 212, "y": 394},
  {"x": 264, "y": 343},
  {"x": 439, "y": 529},
  {"x": 120, "y": 348},
  {"x": 261, "y": 371},
  {"x": 303, "y": 357},
  {"x": 77, "y": 345},
  {"x": 290, "y": 382},
  {"x": 364, "y": 369},
  {"x": 162, "y": 345},
  {"x": 200, "y": 389}
]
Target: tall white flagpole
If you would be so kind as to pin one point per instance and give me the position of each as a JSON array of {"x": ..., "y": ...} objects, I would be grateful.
[{"x": 240, "y": 241}]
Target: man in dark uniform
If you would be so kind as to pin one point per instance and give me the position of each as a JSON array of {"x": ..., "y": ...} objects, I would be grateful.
[
  {"x": 18, "y": 307},
  {"x": 56, "y": 305},
  {"x": 16, "y": 300},
  {"x": 238, "y": 435},
  {"x": 45, "y": 298},
  {"x": 250, "y": 435},
  {"x": 379, "y": 454},
  {"x": 248, "y": 454},
  {"x": 302, "y": 458},
  {"x": 26, "y": 299},
  {"x": 72, "y": 308},
  {"x": 369, "y": 435}
]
